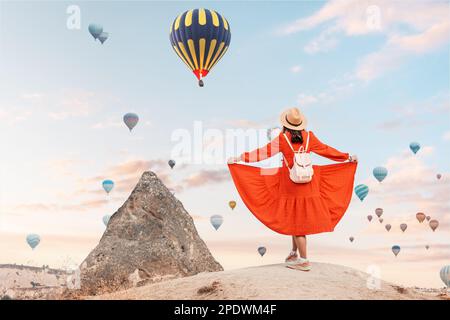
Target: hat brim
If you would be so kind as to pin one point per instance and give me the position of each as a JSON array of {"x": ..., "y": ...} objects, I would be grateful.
[{"x": 285, "y": 123}]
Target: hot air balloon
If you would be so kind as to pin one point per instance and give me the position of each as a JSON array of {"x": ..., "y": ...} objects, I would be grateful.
[
  {"x": 95, "y": 30},
  {"x": 420, "y": 216},
  {"x": 403, "y": 226},
  {"x": 369, "y": 217},
  {"x": 427, "y": 247},
  {"x": 262, "y": 251},
  {"x": 396, "y": 250},
  {"x": 351, "y": 239},
  {"x": 108, "y": 185},
  {"x": 388, "y": 227},
  {"x": 200, "y": 37},
  {"x": 439, "y": 176},
  {"x": 381, "y": 220},
  {"x": 232, "y": 204},
  {"x": 106, "y": 219},
  {"x": 103, "y": 37},
  {"x": 428, "y": 218},
  {"x": 33, "y": 240},
  {"x": 434, "y": 224},
  {"x": 378, "y": 212},
  {"x": 171, "y": 163},
  {"x": 361, "y": 191},
  {"x": 131, "y": 120},
  {"x": 216, "y": 221},
  {"x": 445, "y": 275},
  {"x": 414, "y": 146},
  {"x": 380, "y": 173}
]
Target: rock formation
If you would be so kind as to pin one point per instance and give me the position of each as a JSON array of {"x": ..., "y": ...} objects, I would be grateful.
[{"x": 150, "y": 238}]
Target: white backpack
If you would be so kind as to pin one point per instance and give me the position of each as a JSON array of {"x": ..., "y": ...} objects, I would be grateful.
[{"x": 302, "y": 170}]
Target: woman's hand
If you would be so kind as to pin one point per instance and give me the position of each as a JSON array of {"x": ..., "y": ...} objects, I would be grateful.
[
  {"x": 234, "y": 160},
  {"x": 353, "y": 158}
]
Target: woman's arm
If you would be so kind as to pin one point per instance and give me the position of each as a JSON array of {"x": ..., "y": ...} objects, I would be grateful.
[
  {"x": 316, "y": 146},
  {"x": 269, "y": 150}
]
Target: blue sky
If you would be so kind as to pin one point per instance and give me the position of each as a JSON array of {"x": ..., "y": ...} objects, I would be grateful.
[{"x": 368, "y": 92}]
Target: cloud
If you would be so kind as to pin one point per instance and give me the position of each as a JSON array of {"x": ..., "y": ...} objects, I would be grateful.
[
  {"x": 412, "y": 183},
  {"x": 446, "y": 136},
  {"x": 410, "y": 28},
  {"x": 110, "y": 123},
  {"x": 60, "y": 105},
  {"x": 417, "y": 113},
  {"x": 204, "y": 177},
  {"x": 296, "y": 69}
]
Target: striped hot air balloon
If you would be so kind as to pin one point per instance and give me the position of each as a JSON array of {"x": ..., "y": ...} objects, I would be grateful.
[
  {"x": 414, "y": 146},
  {"x": 380, "y": 173},
  {"x": 106, "y": 219},
  {"x": 108, "y": 185},
  {"x": 216, "y": 221},
  {"x": 33, "y": 240},
  {"x": 361, "y": 191},
  {"x": 200, "y": 37},
  {"x": 131, "y": 120},
  {"x": 445, "y": 275}
]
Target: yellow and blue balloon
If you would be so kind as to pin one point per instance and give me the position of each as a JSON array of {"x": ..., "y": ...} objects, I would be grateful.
[{"x": 200, "y": 38}]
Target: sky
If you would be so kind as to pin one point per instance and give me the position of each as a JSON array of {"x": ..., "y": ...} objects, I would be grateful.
[{"x": 371, "y": 77}]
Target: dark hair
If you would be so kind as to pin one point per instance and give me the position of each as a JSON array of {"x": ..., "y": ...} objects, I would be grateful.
[{"x": 296, "y": 135}]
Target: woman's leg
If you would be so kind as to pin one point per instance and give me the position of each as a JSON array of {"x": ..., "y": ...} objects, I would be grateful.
[
  {"x": 292, "y": 257},
  {"x": 294, "y": 244},
  {"x": 301, "y": 245}
]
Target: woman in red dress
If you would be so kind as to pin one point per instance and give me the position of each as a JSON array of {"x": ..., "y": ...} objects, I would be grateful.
[{"x": 296, "y": 209}]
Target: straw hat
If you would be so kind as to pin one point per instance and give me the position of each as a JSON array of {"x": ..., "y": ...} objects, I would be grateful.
[{"x": 293, "y": 119}]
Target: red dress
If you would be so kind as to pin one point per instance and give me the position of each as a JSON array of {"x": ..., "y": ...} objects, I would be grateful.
[{"x": 292, "y": 208}]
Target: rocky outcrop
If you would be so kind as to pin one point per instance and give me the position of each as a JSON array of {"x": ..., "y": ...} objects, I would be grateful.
[{"x": 150, "y": 238}]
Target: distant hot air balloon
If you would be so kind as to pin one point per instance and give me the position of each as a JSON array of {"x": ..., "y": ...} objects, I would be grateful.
[
  {"x": 427, "y": 247},
  {"x": 33, "y": 240},
  {"x": 403, "y": 227},
  {"x": 103, "y": 37},
  {"x": 420, "y": 216},
  {"x": 388, "y": 227},
  {"x": 439, "y": 176},
  {"x": 131, "y": 120},
  {"x": 361, "y": 191},
  {"x": 428, "y": 218},
  {"x": 445, "y": 275},
  {"x": 434, "y": 224},
  {"x": 216, "y": 221},
  {"x": 232, "y": 204},
  {"x": 381, "y": 220},
  {"x": 380, "y": 173},
  {"x": 378, "y": 212},
  {"x": 414, "y": 146},
  {"x": 171, "y": 163},
  {"x": 351, "y": 239},
  {"x": 396, "y": 250},
  {"x": 106, "y": 219},
  {"x": 369, "y": 217},
  {"x": 200, "y": 37},
  {"x": 95, "y": 30},
  {"x": 108, "y": 185},
  {"x": 262, "y": 251}
]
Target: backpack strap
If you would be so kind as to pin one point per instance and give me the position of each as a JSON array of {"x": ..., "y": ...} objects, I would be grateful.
[
  {"x": 307, "y": 143},
  {"x": 289, "y": 143}
]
